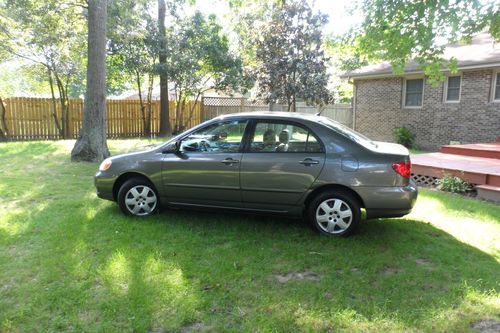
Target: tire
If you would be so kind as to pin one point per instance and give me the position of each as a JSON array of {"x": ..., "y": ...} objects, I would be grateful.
[
  {"x": 334, "y": 213},
  {"x": 138, "y": 197}
]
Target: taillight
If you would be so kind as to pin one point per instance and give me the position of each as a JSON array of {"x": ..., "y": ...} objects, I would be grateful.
[{"x": 403, "y": 168}]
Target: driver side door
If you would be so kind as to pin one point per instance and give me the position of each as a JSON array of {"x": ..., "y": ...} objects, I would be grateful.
[{"x": 206, "y": 169}]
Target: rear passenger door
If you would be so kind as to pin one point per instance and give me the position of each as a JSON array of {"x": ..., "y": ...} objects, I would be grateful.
[{"x": 280, "y": 162}]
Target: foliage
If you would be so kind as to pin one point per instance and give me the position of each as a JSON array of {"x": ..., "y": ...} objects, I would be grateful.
[
  {"x": 291, "y": 63},
  {"x": 72, "y": 262},
  {"x": 450, "y": 183},
  {"x": 244, "y": 17},
  {"x": 404, "y": 137},
  {"x": 343, "y": 54},
  {"x": 133, "y": 46},
  {"x": 198, "y": 60},
  {"x": 52, "y": 36},
  {"x": 397, "y": 31}
]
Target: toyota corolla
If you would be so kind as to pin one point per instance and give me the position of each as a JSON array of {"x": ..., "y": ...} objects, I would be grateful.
[{"x": 294, "y": 164}]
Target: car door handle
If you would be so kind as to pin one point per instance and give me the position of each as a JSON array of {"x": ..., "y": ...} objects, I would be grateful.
[
  {"x": 229, "y": 161},
  {"x": 309, "y": 161}
]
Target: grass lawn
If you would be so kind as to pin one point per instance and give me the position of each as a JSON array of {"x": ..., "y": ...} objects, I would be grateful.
[{"x": 72, "y": 262}]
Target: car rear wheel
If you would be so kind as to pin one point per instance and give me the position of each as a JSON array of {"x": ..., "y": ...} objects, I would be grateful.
[
  {"x": 138, "y": 197},
  {"x": 334, "y": 213}
]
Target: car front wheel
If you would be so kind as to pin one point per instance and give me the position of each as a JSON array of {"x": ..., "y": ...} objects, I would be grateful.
[
  {"x": 334, "y": 213},
  {"x": 138, "y": 197}
]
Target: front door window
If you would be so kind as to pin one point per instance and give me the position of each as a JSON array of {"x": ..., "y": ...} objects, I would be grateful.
[{"x": 217, "y": 138}]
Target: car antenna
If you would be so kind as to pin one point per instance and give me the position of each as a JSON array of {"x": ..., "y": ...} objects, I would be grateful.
[{"x": 321, "y": 109}]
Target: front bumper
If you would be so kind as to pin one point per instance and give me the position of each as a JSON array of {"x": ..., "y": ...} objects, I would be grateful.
[
  {"x": 104, "y": 185},
  {"x": 388, "y": 201}
]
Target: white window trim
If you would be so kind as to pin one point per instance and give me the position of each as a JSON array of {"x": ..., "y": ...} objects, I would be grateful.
[
  {"x": 445, "y": 92},
  {"x": 404, "y": 92},
  {"x": 493, "y": 86}
]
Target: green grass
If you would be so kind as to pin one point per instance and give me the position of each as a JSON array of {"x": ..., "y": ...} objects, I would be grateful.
[{"x": 72, "y": 262}]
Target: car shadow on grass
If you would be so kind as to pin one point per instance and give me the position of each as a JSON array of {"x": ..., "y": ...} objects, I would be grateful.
[{"x": 92, "y": 268}]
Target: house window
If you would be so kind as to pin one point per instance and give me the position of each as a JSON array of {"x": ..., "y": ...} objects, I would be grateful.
[
  {"x": 453, "y": 88},
  {"x": 496, "y": 95},
  {"x": 414, "y": 92}
]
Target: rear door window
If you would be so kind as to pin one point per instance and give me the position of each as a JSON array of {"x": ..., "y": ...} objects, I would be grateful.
[{"x": 282, "y": 137}]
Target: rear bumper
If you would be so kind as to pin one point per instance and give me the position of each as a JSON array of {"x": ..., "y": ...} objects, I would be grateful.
[{"x": 388, "y": 201}]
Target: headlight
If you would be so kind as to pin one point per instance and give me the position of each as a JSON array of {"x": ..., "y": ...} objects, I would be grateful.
[{"x": 105, "y": 165}]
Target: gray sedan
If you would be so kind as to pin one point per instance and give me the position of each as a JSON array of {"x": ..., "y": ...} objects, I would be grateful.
[{"x": 287, "y": 163}]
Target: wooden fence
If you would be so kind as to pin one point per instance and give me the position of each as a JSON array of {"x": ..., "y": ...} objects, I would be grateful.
[{"x": 32, "y": 118}]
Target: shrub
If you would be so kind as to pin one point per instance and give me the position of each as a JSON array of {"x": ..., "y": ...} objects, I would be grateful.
[
  {"x": 453, "y": 184},
  {"x": 404, "y": 137}
]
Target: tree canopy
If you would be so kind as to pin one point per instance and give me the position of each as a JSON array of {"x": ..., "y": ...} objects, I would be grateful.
[
  {"x": 291, "y": 62},
  {"x": 198, "y": 60},
  {"x": 398, "y": 31}
]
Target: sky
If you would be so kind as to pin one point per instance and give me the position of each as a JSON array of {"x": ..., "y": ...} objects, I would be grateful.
[{"x": 339, "y": 11}]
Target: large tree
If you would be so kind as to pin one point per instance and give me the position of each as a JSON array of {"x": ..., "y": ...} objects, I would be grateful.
[
  {"x": 397, "y": 31},
  {"x": 291, "y": 63},
  {"x": 91, "y": 145}
]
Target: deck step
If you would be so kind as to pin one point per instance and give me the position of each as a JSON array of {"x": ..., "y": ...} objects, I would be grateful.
[
  {"x": 488, "y": 192},
  {"x": 486, "y": 150}
]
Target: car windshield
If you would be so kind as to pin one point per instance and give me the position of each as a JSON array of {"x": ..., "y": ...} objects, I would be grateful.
[{"x": 347, "y": 132}]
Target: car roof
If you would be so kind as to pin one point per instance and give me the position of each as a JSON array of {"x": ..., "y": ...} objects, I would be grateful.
[{"x": 272, "y": 114}]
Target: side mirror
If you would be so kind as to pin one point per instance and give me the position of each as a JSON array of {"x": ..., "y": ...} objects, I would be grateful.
[{"x": 173, "y": 147}]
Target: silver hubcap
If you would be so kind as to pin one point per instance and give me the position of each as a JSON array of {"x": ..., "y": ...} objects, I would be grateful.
[
  {"x": 140, "y": 200},
  {"x": 334, "y": 216}
]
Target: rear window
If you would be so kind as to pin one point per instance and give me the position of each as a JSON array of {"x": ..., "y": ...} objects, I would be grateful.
[{"x": 347, "y": 132}]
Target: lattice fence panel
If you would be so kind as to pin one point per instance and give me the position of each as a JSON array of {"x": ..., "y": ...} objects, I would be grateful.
[
  {"x": 423, "y": 180},
  {"x": 216, "y": 106}
]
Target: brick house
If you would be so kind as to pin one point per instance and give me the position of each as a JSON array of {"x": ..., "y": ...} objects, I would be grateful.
[{"x": 464, "y": 108}]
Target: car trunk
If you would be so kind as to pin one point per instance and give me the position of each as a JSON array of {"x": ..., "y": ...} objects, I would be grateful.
[{"x": 399, "y": 165}]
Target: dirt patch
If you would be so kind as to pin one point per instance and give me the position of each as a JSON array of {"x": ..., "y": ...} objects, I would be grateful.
[
  {"x": 423, "y": 261},
  {"x": 392, "y": 270},
  {"x": 304, "y": 275},
  {"x": 194, "y": 327},
  {"x": 486, "y": 326}
]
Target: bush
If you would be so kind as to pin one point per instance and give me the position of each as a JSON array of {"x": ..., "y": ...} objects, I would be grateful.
[
  {"x": 453, "y": 184},
  {"x": 404, "y": 137}
]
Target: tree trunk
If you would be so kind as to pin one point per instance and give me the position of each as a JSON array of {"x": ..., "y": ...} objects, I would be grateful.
[
  {"x": 91, "y": 144},
  {"x": 178, "y": 113},
  {"x": 150, "y": 102},
  {"x": 4, "y": 132},
  {"x": 63, "y": 99},
  {"x": 141, "y": 101},
  {"x": 54, "y": 104},
  {"x": 183, "y": 112},
  {"x": 165, "y": 128}
]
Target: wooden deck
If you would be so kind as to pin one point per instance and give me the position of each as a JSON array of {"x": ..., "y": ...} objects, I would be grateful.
[{"x": 478, "y": 164}]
